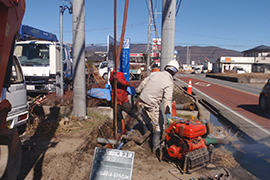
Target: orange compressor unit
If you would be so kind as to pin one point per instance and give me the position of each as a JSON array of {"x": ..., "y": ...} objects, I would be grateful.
[{"x": 184, "y": 142}]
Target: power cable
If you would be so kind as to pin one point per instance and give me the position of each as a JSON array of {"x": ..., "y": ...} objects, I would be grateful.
[{"x": 178, "y": 7}]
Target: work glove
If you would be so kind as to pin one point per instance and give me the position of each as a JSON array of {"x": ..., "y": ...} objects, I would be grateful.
[
  {"x": 168, "y": 116},
  {"x": 136, "y": 97}
]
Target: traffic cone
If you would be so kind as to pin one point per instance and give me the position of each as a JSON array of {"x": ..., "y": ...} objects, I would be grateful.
[
  {"x": 173, "y": 109},
  {"x": 189, "y": 89}
]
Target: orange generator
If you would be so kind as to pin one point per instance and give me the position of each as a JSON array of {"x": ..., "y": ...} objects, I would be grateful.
[{"x": 184, "y": 144}]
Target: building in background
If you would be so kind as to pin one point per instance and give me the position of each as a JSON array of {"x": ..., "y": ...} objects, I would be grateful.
[{"x": 261, "y": 55}]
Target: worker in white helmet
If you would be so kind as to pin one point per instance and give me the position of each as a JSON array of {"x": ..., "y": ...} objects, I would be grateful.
[{"x": 155, "y": 90}]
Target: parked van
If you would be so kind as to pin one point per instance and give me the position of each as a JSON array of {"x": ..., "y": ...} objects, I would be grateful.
[{"x": 17, "y": 96}]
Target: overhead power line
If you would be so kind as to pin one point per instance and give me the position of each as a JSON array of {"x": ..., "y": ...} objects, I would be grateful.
[{"x": 178, "y": 6}]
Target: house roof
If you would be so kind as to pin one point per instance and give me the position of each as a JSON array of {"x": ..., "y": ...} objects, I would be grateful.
[{"x": 261, "y": 48}]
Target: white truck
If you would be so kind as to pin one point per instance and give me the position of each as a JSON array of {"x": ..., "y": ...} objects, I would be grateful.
[
  {"x": 135, "y": 70},
  {"x": 103, "y": 70},
  {"x": 40, "y": 60}
]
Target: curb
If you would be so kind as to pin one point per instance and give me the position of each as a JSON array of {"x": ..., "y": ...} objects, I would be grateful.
[{"x": 239, "y": 80}]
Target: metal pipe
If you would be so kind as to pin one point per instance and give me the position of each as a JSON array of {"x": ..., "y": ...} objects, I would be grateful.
[
  {"x": 149, "y": 36},
  {"x": 107, "y": 141},
  {"x": 61, "y": 92},
  {"x": 115, "y": 80},
  {"x": 185, "y": 106},
  {"x": 117, "y": 56}
]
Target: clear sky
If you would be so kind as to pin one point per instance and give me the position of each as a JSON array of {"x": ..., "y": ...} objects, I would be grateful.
[{"x": 230, "y": 24}]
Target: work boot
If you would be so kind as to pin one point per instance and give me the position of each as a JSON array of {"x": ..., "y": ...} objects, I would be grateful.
[{"x": 156, "y": 141}]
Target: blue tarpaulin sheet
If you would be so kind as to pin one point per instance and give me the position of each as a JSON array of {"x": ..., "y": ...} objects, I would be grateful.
[
  {"x": 131, "y": 90},
  {"x": 100, "y": 93},
  {"x": 106, "y": 93}
]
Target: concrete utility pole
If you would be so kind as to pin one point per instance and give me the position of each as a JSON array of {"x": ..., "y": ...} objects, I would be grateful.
[
  {"x": 79, "y": 91},
  {"x": 149, "y": 35},
  {"x": 168, "y": 32}
]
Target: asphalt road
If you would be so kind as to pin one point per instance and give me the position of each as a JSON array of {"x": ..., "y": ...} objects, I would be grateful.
[
  {"x": 237, "y": 103},
  {"x": 237, "y": 106}
]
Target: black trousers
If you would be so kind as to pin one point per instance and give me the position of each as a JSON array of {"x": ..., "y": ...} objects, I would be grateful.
[{"x": 129, "y": 109}]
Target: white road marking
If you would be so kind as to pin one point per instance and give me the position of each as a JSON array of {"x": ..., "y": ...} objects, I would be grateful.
[{"x": 202, "y": 84}]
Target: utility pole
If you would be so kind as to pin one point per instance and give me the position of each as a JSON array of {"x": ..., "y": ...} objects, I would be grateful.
[
  {"x": 187, "y": 56},
  {"x": 59, "y": 75},
  {"x": 149, "y": 35},
  {"x": 60, "y": 91},
  {"x": 79, "y": 91},
  {"x": 168, "y": 32}
]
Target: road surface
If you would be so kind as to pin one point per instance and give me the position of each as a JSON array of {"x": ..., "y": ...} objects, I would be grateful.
[
  {"x": 234, "y": 102},
  {"x": 237, "y": 105}
]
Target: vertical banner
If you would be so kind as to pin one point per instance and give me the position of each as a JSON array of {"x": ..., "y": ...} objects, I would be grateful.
[{"x": 124, "y": 59}]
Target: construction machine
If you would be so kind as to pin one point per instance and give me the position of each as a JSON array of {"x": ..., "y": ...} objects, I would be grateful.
[
  {"x": 11, "y": 13},
  {"x": 185, "y": 145}
]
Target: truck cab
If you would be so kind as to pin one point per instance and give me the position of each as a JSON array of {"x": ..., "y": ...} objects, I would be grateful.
[
  {"x": 40, "y": 64},
  {"x": 39, "y": 55}
]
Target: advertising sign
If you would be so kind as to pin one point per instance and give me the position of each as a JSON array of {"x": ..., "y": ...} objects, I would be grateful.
[
  {"x": 124, "y": 59},
  {"x": 156, "y": 44}
]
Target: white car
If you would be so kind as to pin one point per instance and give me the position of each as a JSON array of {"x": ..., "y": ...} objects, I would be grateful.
[{"x": 238, "y": 70}]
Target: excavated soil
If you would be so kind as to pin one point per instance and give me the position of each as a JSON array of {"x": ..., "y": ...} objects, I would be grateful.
[{"x": 58, "y": 147}]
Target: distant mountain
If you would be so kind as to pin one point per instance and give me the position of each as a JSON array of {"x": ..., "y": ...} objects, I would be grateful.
[{"x": 197, "y": 53}]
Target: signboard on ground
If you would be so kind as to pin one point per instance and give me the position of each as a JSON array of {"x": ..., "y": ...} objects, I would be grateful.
[{"x": 112, "y": 164}]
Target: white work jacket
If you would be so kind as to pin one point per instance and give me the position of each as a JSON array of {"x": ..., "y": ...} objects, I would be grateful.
[{"x": 157, "y": 87}]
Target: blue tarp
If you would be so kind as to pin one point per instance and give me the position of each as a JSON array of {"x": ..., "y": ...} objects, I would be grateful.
[
  {"x": 131, "y": 90},
  {"x": 100, "y": 93},
  {"x": 106, "y": 93}
]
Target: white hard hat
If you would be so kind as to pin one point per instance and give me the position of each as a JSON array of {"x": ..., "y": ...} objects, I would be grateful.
[{"x": 173, "y": 63}]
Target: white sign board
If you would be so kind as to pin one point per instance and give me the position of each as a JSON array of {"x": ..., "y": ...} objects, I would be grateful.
[{"x": 112, "y": 164}]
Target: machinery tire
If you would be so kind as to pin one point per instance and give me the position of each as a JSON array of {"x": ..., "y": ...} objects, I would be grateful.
[{"x": 11, "y": 156}]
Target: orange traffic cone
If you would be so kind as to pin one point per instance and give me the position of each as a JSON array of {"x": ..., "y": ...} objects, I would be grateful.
[
  {"x": 173, "y": 109},
  {"x": 189, "y": 89}
]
